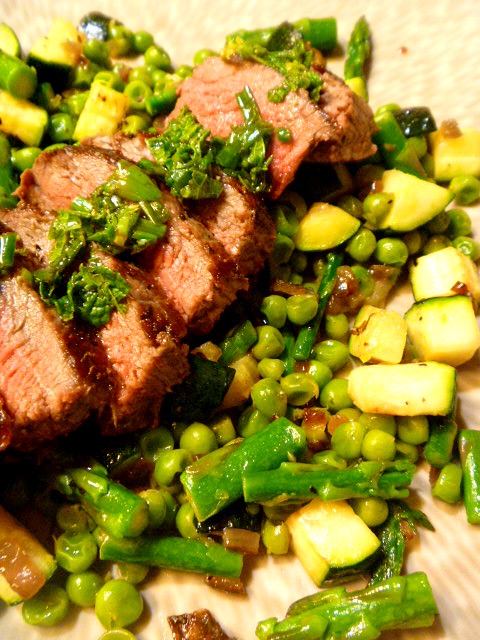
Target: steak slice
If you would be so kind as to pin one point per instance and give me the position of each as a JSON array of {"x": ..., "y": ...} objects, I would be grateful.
[
  {"x": 45, "y": 387},
  {"x": 338, "y": 127},
  {"x": 193, "y": 268},
  {"x": 138, "y": 354},
  {"x": 133, "y": 148},
  {"x": 240, "y": 221}
]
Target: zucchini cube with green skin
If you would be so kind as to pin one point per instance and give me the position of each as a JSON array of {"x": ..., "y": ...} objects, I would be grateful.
[
  {"x": 444, "y": 329},
  {"x": 409, "y": 389},
  {"x": 378, "y": 335},
  {"x": 415, "y": 201},
  {"x": 444, "y": 273},
  {"x": 327, "y": 535},
  {"x": 323, "y": 227},
  {"x": 104, "y": 110},
  {"x": 25, "y": 565},
  {"x": 22, "y": 119},
  {"x": 455, "y": 155}
]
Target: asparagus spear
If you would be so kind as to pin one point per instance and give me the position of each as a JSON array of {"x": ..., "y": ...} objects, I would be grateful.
[
  {"x": 308, "y": 333},
  {"x": 400, "y": 602},
  {"x": 118, "y": 510},
  {"x": 298, "y": 482},
  {"x": 215, "y": 480},
  {"x": 439, "y": 447},
  {"x": 181, "y": 554},
  {"x": 358, "y": 55},
  {"x": 469, "y": 447}
]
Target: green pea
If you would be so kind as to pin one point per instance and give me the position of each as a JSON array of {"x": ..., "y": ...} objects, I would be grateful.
[
  {"x": 161, "y": 101},
  {"x": 73, "y": 518},
  {"x": 97, "y": 51},
  {"x": 337, "y": 326},
  {"x": 75, "y": 552},
  {"x": 351, "y": 205},
  {"x": 378, "y": 445},
  {"x": 413, "y": 429},
  {"x": 468, "y": 246},
  {"x": 274, "y": 308},
  {"x": 153, "y": 442},
  {"x": 117, "y": 634},
  {"x": 47, "y": 608},
  {"x": 373, "y": 511},
  {"x": 133, "y": 572},
  {"x": 300, "y": 388},
  {"x": 138, "y": 92},
  {"x": 283, "y": 248},
  {"x": 447, "y": 486},
  {"x": 362, "y": 245},
  {"x": 270, "y": 343},
  {"x": 157, "y": 507},
  {"x": 392, "y": 252},
  {"x": 82, "y": 588},
  {"x": 284, "y": 134},
  {"x": 142, "y": 40},
  {"x": 269, "y": 398},
  {"x": 460, "y": 223},
  {"x": 169, "y": 465},
  {"x": 198, "y": 439},
  {"x": 24, "y": 158},
  {"x": 351, "y": 413},
  {"x": 347, "y": 439},
  {"x": 414, "y": 241},
  {"x": 438, "y": 224},
  {"x": 436, "y": 243},
  {"x": 301, "y": 308},
  {"x": 141, "y": 74},
  {"x": 157, "y": 57},
  {"x": 376, "y": 206},
  {"x": 366, "y": 283},
  {"x": 466, "y": 189},
  {"x": 407, "y": 451},
  {"x": 184, "y": 71},
  {"x": 390, "y": 107},
  {"x": 333, "y": 353},
  {"x": 60, "y": 127},
  {"x": 275, "y": 537},
  {"x": 202, "y": 54},
  {"x": 330, "y": 458},
  {"x": 250, "y": 421},
  {"x": 74, "y": 103},
  {"x": 320, "y": 372},
  {"x": 223, "y": 428},
  {"x": 379, "y": 421},
  {"x": 185, "y": 521},
  {"x": 271, "y": 368},
  {"x": 118, "y": 604},
  {"x": 334, "y": 395}
]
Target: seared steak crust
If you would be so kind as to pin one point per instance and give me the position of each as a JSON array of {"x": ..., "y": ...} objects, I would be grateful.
[{"x": 210, "y": 93}]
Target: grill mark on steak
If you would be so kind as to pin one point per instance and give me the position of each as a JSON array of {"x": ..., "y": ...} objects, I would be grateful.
[{"x": 338, "y": 127}]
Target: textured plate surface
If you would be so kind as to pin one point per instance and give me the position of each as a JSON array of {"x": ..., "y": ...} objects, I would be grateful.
[{"x": 425, "y": 53}]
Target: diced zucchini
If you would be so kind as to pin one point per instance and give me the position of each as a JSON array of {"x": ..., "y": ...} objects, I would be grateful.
[
  {"x": 442, "y": 272},
  {"x": 102, "y": 113},
  {"x": 455, "y": 155},
  {"x": 324, "y": 226},
  {"x": 444, "y": 329},
  {"x": 56, "y": 54},
  {"x": 246, "y": 375},
  {"x": 327, "y": 535},
  {"x": 415, "y": 201},
  {"x": 378, "y": 335},
  {"x": 9, "y": 42},
  {"x": 22, "y": 119},
  {"x": 411, "y": 389},
  {"x": 25, "y": 565}
]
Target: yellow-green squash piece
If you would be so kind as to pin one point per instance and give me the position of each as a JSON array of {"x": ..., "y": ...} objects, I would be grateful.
[
  {"x": 328, "y": 535},
  {"x": 455, "y": 155},
  {"x": 444, "y": 329},
  {"x": 102, "y": 113},
  {"x": 323, "y": 227},
  {"x": 443, "y": 273},
  {"x": 22, "y": 119},
  {"x": 410, "y": 389},
  {"x": 378, "y": 335},
  {"x": 415, "y": 201}
]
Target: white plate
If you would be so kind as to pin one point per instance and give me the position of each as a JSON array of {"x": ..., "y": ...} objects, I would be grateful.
[{"x": 425, "y": 53}]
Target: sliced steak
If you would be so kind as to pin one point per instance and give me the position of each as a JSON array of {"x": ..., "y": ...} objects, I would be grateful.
[
  {"x": 134, "y": 148},
  {"x": 325, "y": 127},
  {"x": 241, "y": 222},
  {"x": 138, "y": 357},
  {"x": 43, "y": 381},
  {"x": 193, "y": 268},
  {"x": 60, "y": 175}
]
